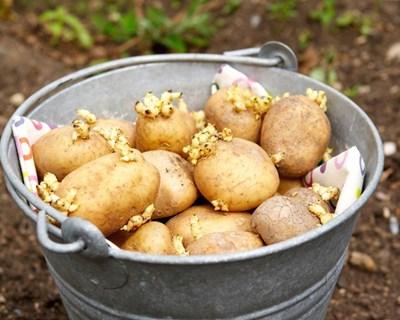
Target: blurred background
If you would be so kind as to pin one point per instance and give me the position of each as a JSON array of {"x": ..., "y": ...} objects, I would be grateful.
[{"x": 353, "y": 46}]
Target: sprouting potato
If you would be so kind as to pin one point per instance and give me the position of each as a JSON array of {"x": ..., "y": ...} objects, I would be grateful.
[
  {"x": 177, "y": 190},
  {"x": 297, "y": 131},
  {"x": 153, "y": 237},
  {"x": 280, "y": 218},
  {"x": 238, "y": 109},
  {"x": 308, "y": 196},
  {"x": 162, "y": 126},
  {"x": 232, "y": 173},
  {"x": 115, "y": 191},
  {"x": 200, "y": 220},
  {"x": 64, "y": 149},
  {"x": 224, "y": 242}
]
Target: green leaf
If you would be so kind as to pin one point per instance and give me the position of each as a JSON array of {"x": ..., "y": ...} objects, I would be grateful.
[
  {"x": 318, "y": 74},
  {"x": 194, "y": 6},
  {"x": 175, "y": 43}
]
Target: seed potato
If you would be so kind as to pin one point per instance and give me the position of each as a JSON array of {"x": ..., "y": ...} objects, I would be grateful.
[
  {"x": 280, "y": 218},
  {"x": 162, "y": 126},
  {"x": 177, "y": 190},
  {"x": 58, "y": 153},
  {"x": 110, "y": 191},
  {"x": 286, "y": 184},
  {"x": 308, "y": 196},
  {"x": 224, "y": 242},
  {"x": 234, "y": 108},
  {"x": 299, "y": 129},
  {"x": 153, "y": 237},
  {"x": 203, "y": 219},
  {"x": 239, "y": 174}
]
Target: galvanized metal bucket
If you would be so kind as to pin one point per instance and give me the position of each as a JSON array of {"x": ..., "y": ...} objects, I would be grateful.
[{"x": 293, "y": 279}]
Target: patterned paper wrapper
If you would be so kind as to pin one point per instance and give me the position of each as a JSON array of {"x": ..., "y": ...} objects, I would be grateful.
[
  {"x": 345, "y": 171},
  {"x": 26, "y": 132}
]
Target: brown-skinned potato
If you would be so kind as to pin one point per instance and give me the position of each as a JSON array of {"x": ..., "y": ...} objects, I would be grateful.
[
  {"x": 286, "y": 184},
  {"x": 177, "y": 190},
  {"x": 56, "y": 152},
  {"x": 280, "y": 218},
  {"x": 225, "y": 242},
  {"x": 165, "y": 133},
  {"x": 298, "y": 128},
  {"x": 307, "y": 196},
  {"x": 153, "y": 237},
  {"x": 110, "y": 191},
  {"x": 239, "y": 173},
  {"x": 209, "y": 221},
  {"x": 220, "y": 111}
]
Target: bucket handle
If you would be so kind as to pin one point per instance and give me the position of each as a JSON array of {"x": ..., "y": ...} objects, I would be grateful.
[
  {"x": 271, "y": 50},
  {"x": 83, "y": 237}
]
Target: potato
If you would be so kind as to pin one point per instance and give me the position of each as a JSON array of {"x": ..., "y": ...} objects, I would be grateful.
[
  {"x": 238, "y": 176},
  {"x": 286, "y": 184},
  {"x": 225, "y": 242},
  {"x": 58, "y": 153},
  {"x": 153, "y": 237},
  {"x": 161, "y": 126},
  {"x": 110, "y": 191},
  {"x": 127, "y": 128},
  {"x": 177, "y": 190},
  {"x": 308, "y": 196},
  {"x": 208, "y": 221},
  {"x": 280, "y": 218},
  {"x": 236, "y": 108},
  {"x": 297, "y": 127}
]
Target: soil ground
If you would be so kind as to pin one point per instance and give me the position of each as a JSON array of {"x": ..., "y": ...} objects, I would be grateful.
[{"x": 371, "y": 64}]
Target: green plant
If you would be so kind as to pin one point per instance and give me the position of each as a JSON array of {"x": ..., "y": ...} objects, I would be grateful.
[
  {"x": 326, "y": 71},
  {"x": 231, "y": 6},
  {"x": 117, "y": 27},
  {"x": 63, "y": 25},
  {"x": 304, "y": 38},
  {"x": 283, "y": 10},
  {"x": 349, "y": 18},
  {"x": 153, "y": 28},
  {"x": 325, "y": 14},
  {"x": 351, "y": 92}
]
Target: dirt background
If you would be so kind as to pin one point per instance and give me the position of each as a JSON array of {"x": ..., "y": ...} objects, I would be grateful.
[{"x": 369, "y": 286}]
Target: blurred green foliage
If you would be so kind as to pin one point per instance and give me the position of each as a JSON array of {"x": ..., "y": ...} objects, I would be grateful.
[{"x": 63, "y": 25}]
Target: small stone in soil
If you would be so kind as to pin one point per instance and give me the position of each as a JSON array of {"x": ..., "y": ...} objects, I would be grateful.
[
  {"x": 17, "y": 99},
  {"x": 389, "y": 148},
  {"x": 362, "y": 261}
]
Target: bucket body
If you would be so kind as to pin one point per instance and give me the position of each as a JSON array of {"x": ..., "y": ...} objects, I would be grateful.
[{"x": 293, "y": 279}]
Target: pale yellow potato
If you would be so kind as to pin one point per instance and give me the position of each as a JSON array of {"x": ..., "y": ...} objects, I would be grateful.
[
  {"x": 280, "y": 218},
  {"x": 225, "y": 242},
  {"x": 209, "y": 221},
  {"x": 127, "y": 127},
  {"x": 110, "y": 191},
  {"x": 57, "y": 153},
  {"x": 285, "y": 184},
  {"x": 297, "y": 127},
  {"x": 239, "y": 173},
  {"x": 153, "y": 237},
  {"x": 219, "y": 111},
  {"x": 165, "y": 133},
  {"x": 177, "y": 190}
]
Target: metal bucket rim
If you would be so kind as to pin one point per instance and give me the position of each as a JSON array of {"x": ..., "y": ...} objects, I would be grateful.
[{"x": 85, "y": 73}]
